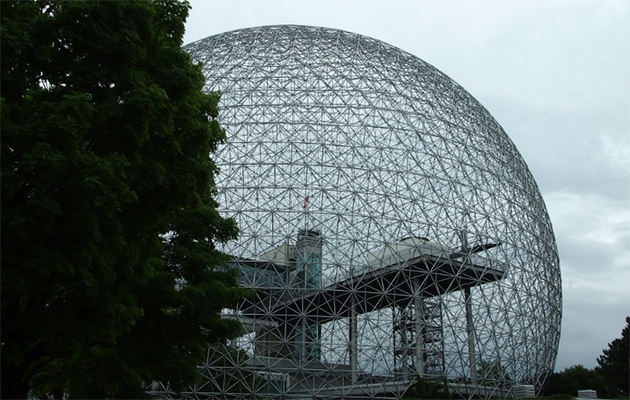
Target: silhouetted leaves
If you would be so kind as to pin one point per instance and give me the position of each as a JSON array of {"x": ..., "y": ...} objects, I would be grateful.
[{"x": 107, "y": 200}]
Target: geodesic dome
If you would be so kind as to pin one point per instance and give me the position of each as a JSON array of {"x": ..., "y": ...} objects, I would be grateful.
[{"x": 389, "y": 227}]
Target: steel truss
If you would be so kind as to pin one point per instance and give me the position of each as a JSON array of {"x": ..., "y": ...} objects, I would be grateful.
[{"x": 389, "y": 227}]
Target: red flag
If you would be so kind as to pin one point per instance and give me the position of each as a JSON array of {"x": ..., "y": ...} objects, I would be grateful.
[{"x": 305, "y": 202}]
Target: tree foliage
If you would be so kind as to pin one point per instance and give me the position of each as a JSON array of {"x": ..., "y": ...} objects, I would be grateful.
[
  {"x": 614, "y": 363},
  {"x": 574, "y": 378},
  {"x": 110, "y": 276},
  {"x": 556, "y": 384},
  {"x": 428, "y": 389},
  {"x": 609, "y": 379}
]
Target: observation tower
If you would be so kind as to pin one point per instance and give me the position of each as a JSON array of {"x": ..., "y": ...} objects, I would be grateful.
[{"x": 390, "y": 230}]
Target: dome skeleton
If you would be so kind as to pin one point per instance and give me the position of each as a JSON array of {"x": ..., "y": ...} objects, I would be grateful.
[{"x": 338, "y": 147}]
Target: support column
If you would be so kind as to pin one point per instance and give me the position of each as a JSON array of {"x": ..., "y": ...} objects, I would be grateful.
[
  {"x": 354, "y": 342},
  {"x": 404, "y": 336},
  {"x": 303, "y": 338},
  {"x": 470, "y": 329},
  {"x": 419, "y": 325}
]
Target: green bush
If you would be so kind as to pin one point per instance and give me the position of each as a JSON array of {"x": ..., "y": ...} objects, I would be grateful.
[{"x": 428, "y": 389}]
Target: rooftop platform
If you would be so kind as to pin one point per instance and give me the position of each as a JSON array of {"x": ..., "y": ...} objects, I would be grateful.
[{"x": 426, "y": 275}]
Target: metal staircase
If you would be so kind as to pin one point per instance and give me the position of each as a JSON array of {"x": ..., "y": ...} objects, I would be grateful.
[{"x": 418, "y": 336}]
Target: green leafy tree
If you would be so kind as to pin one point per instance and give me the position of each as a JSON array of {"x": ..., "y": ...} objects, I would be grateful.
[
  {"x": 556, "y": 384},
  {"x": 614, "y": 363},
  {"x": 578, "y": 377},
  {"x": 110, "y": 276},
  {"x": 428, "y": 389}
]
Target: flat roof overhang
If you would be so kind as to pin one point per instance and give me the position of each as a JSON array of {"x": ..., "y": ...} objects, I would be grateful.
[{"x": 398, "y": 284}]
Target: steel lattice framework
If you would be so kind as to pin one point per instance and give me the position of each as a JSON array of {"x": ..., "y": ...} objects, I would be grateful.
[{"x": 389, "y": 227}]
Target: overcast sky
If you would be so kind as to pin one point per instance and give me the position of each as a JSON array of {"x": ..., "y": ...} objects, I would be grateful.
[{"x": 556, "y": 75}]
